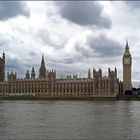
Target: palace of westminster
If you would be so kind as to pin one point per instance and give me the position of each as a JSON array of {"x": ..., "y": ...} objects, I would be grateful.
[{"x": 94, "y": 85}]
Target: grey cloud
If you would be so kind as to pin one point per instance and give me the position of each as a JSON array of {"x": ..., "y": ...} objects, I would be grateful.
[
  {"x": 9, "y": 9},
  {"x": 32, "y": 53},
  {"x": 84, "y": 51},
  {"x": 99, "y": 49},
  {"x": 133, "y": 4},
  {"x": 12, "y": 63},
  {"x": 69, "y": 60},
  {"x": 104, "y": 47},
  {"x": 15, "y": 65},
  {"x": 84, "y": 13},
  {"x": 46, "y": 38}
]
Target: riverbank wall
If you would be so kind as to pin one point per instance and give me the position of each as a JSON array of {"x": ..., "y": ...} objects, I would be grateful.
[{"x": 55, "y": 98}]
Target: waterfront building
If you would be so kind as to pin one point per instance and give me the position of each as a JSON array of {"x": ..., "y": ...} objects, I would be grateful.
[
  {"x": 127, "y": 64},
  {"x": 47, "y": 84}
]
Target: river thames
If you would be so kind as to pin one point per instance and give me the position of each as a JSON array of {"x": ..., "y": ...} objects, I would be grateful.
[{"x": 67, "y": 119}]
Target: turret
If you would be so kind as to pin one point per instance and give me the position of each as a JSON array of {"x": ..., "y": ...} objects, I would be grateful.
[
  {"x": 115, "y": 71},
  {"x": 112, "y": 73},
  {"x": 3, "y": 55},
  {"x": 97, "y": 74},
  {"x": 27, "y": 76},
  {"x": 42, "y": 70},
  {"x": 94, "y": 72},
  {"x": 89, "y": 74},
  {"x": 51, "y": 75},
  {"x": 100, "y": 71},
  {"x": 11, "y": 76},
  {"x": 108, "y": 71},
  {"x": 33, "y": 73},
  {"x": 2, "y": 68},
  {"x": 42, "y": 61}
]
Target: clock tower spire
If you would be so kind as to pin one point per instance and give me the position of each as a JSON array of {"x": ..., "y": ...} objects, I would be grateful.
[{"x": 127, "y": 63}]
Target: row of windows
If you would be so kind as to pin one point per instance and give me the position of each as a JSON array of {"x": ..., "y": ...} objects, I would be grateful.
[
  {"x": 55, "y": 86},
  {"x": 64, "y": 84},
  {"x": 55, "y": 91}
]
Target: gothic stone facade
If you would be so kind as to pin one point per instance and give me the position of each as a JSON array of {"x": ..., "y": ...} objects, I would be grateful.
[
  {"x": 127, "y": 64},
  {"x": 94, "y": 85}
]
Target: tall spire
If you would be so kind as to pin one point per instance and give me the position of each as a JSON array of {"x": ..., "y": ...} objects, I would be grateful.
[
  {"x": 116, "y": 71},
  {"x": 89, "y": 74},
  {"x": 126, "y": 46},
  {"x": 3, "y": 55},
  {"x": 42, "y": 70},
  {"x": 42, "y": 61},
  {"x": 33, "y": 73},
  {"x": 127, "y": 53}
]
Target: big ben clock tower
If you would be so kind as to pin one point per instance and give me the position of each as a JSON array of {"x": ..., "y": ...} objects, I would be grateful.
[{"x": 127, "y": 63}]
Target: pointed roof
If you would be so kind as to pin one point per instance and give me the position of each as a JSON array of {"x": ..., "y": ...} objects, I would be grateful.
[
  {"x": 89, "y": 74},
  {"x": 42, "y": 69},
  {"x": 126, "y": 46},
  {"x": 127, "y": 53},
  {"x": 3, "y": 55},
  {"x": 33, "y": 70},
  {"x": 42, "y": 61}
]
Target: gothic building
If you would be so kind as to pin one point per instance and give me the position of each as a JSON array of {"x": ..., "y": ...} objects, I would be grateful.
[{"x": 47, "y": 84}]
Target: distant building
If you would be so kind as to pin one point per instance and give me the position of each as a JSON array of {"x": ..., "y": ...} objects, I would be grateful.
[{"x": 46, "y": 84}]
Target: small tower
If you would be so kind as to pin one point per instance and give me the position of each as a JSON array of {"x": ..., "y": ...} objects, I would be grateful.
[
  {"x": 3, "y": 56},
  {"x": 51, "y": 75},
  {"x": 27, "y": 76},
  {"x": 112, "y": 82},
  {"x": 108, "y": 71},
  {"x": 33, "y": 73},
  {"x": 42, "y": 70},
  {"x": 11, "y": 76},
  {"x": 127, "y": 63},
  {"x": 89, "y": 74},
  {"x": 2, "y": 68},
  {"x": 116, "y": 71}
]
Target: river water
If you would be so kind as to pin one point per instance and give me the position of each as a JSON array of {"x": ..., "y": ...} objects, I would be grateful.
[{"x": 56, "y": 119}]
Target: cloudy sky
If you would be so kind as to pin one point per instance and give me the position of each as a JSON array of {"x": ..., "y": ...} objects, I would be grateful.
[{"x": 73, "y": 35}]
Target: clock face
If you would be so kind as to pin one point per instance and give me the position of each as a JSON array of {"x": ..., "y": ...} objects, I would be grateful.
[{"x": 126, "y": 61}]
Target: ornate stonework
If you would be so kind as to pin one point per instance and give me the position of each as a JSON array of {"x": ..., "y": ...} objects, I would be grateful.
[
  {"x": 127, "y": 63},
  {"x": 47, "y": 84}
]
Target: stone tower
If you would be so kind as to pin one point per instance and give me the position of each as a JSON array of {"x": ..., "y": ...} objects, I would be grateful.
[
  {"x": 42, "y": 70},
  {"x": 127, "y": 63},
  {"x": 2, "y": 68},
  {"x": 33, "y": 73},
  {"x": 89, "y": 74}
]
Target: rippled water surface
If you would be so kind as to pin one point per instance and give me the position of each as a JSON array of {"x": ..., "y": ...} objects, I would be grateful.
[{"x": 69, "y": 119}]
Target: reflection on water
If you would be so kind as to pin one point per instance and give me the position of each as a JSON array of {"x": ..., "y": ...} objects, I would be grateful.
[{"x": 69, "y": 119}]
